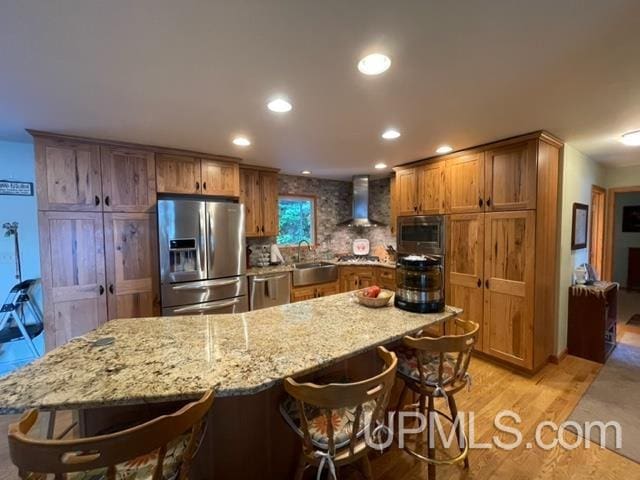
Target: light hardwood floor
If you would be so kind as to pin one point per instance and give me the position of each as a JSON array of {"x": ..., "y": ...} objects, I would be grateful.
[{"x": 549, "y": 395}]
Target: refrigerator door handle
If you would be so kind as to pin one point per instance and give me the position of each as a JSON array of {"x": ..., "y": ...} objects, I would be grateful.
[
  {"x": 208, "y": 285},
  {"x": 266, "y": 279},
  {"x": 206, "y": 307}
]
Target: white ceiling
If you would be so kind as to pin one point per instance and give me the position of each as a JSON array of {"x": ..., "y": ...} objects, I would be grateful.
[{"x": 192, "y": 74}]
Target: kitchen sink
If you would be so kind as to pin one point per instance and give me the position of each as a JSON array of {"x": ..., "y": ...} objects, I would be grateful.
[{"x": 314, "y": 272}]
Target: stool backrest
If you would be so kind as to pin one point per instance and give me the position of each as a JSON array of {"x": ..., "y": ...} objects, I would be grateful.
[
  {"x": 333, "y": 396},
  {"x": 59, "y": 457},
  {"x": 457, "y": 346}
]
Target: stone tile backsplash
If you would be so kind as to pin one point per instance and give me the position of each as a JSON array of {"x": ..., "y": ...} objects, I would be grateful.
[{"x": 333, "y": 205}]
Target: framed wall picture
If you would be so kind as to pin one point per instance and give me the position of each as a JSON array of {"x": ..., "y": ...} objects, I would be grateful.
[
  {"x": 631, "y": 218},
  {"x": 579, "y": 226}
]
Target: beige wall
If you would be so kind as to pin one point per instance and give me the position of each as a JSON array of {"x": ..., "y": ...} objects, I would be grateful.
[
  {"x": 622, "y": 177},
  {"x": 579, "y": 172}
]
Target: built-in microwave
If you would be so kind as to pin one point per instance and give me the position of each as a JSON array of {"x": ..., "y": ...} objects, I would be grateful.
[{"x": 421, "y": 234}]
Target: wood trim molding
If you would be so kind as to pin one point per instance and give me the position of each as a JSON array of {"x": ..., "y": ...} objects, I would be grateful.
[
  {"x": 557, "y": 358},
  {"x": 259, "y": 168},
  {"x": 139, "y": 146},
  {"x": 537, "y": 135},
  {"x": 609, "y": 224}
]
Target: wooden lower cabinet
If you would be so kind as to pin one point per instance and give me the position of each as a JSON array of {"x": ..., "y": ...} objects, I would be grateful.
[
  {"x": 132, "y": 266},
  {"x": 465, "y": 267},
  {"x": 298, "y": 294},
  {"x": 387, "y": 278},
  {"x": 357, "y": 277},
  {"x": 509, "y": 271},
  {"x": 73, "y": 274}
]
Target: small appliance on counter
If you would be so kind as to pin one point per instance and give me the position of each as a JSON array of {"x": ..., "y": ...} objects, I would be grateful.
[{"x": 420, "y": 284}]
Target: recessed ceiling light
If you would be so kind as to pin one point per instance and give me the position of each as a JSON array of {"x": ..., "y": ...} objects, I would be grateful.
[
  {"x": 632, "y": 138},
  {"x": 390, "y": 134},
  {"x": 380, "y": 166},
  {"x": 374, "y": 64},
  {"x": 241, "y": 141},
  {"x": 444, "y": 149},
  {"x": 306, "y": 172},
  {"x": 279, "y": 105}
]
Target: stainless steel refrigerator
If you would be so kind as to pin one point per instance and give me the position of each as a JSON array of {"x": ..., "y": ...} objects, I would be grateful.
[{"x": 202, "y": 257}]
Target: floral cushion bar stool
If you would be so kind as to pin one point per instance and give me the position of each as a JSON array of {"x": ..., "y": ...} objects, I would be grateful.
[
  {"x": 160, "y": 449},
  {"x": 437, "y": 367},
  {"x": 334, "y": 420}
]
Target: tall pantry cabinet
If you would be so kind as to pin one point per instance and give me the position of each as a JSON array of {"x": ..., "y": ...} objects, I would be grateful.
[
  {"x": 501, "y": 202},
  {"x": 96, "y": 207}
]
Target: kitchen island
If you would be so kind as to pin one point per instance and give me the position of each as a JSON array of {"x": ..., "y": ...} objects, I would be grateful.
[{"x": 113, "y": 374}]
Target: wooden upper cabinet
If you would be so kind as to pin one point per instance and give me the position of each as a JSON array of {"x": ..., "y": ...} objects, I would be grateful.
[
  {"x": 220, "y": 178},
  {"x": 510, "y": 177},
  {"x": 393, "y": 225},
  {"x": 131, "y": 259},
  {"x": 269, "y": 203},
  {"x": 430, "y": 179},
  {"x": 465, "y": 183},
  {"x": 509, "y": 271},
  {"x": 128, "y": 180},
  {"x": 67, "y": 175},
  {"x": 465, "y": 266},
  {"x": 250, "y": 197},
  {"x": 407, "y": 191},
  {"x": 178, "y": 174},
  {"x": 73, "y": 274}
]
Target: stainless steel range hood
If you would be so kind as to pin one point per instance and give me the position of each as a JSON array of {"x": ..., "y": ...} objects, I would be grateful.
[{"x": 360, "y": 212}]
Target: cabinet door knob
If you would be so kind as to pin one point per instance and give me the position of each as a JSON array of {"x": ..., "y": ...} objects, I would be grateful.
[
  {"x": 101, "y": 290},
  {"x": 107, "y": 201},
  {"x": 197, "y": 185},
  {"x": 204, "y": 185},
  {"x": 479, "y": 283},
  {"x": 489, "y": 202},
  {"x": 480, "y": 202},
  {"x": 486, "y": 283},
  {"x": 111, "y": 289},
  {"x": 97, "y": 200}
]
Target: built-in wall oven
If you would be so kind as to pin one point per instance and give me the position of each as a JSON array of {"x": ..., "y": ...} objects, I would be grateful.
[{"x": 202, "y": 257}]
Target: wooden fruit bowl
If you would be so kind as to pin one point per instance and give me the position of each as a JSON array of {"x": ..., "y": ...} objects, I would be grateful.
[{"x": 381, "y": 301}]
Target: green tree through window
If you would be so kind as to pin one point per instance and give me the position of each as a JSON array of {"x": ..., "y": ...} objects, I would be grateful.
[{"x": 297, "y": 220}]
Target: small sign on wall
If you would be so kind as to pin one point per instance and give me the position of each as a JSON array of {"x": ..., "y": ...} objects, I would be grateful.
[{"x": 13, "y": 187}]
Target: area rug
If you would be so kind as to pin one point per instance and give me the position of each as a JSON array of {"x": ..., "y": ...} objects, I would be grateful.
[
  {"x": 613, "y": 396},
  {"x": 634, "y": 320}
]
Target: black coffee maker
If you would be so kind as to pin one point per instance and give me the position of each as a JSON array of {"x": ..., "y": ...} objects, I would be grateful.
[{"x": 420, "y": 264}]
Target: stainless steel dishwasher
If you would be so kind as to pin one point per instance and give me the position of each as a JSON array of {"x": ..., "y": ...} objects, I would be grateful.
[{"x": 269, "y": 290}]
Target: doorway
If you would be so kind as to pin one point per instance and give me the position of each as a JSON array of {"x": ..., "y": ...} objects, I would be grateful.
[{"x": 596, "y": 240}]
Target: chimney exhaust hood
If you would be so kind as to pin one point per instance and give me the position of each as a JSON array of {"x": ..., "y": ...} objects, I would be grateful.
[{"x": 360, "y": 209}]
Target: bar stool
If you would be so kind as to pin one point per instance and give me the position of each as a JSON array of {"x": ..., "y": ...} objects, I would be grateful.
[
  {"x": 160, "y": 449},
  {"x": 437, "y": 368},
  {"x": 332, "y": 418}
]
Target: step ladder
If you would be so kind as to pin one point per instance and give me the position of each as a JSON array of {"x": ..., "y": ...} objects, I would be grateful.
[{"x": 13, "y": 325}]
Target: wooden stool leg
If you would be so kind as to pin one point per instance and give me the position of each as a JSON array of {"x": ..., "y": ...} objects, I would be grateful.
[
  {"x": 300, "y": 468},
  {"x": 431, "y": 451},
  {"x": 454, "y": 414},
  {"x": 366, "y": 467},
  {"x": 401, "y": 398}
]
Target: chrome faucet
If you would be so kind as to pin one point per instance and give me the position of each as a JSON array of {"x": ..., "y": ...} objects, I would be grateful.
[{"x": 300, "y": 247}]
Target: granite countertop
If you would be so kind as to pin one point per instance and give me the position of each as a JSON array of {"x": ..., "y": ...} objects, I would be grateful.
[
  {"x": 288, "y": 267},
  {"x": 174, "y": 358}
]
